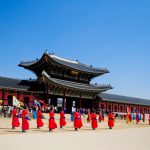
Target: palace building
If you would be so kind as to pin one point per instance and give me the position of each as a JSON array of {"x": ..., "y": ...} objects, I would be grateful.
[{"x": 68, "y": 81}]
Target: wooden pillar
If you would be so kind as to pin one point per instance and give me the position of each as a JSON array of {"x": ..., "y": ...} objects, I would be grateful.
[
  {"x": 124, "y": 108},
  {"x": 92, "y": 103},
  {"x": 112, "y": 107},
  {"x": 106, "y": 105},
  {"x": 3, "y": 95},
  {"x": 47, "y": 93},
  {"x": 99, "y": 104},
  {"x": 18, "y": 95},
  {"x": 64, "y": 101},
  {"x": 80, "y": 104}
]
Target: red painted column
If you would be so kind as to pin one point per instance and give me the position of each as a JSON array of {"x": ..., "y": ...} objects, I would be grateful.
[
  {"x": 64, "y": 101},
  {"x": 18, "y": 95},
  {"x": 80, "y": 101},
  {"x": 118, "y": 108}
]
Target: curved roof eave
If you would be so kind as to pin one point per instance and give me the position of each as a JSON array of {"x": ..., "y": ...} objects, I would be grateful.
[
  {"x": 77, "y": 86},
  {"x": 64, "y": 62}
]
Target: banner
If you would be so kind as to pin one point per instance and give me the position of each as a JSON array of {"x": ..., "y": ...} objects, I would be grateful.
[
  {"x": 1, "y": 101},
  {"x": 128, "y": 110},
  {"x": 36, "y": 103},
  {"x": 15, "y": 102}
]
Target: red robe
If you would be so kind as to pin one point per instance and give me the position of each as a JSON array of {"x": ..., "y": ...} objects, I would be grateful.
[
  {"x": 39, "y": 119},
  {"x": 89, "y": 117},
  {"x": 137, "y": 118},
  {"x": 130, "y": 117},
  {"x": 15, "y": 119},
  {"x": 94, "y": 121},
  {"x": 111, "y": 120},
  {"x": 80, "y": 121},
  {"x": 100, "y": 117},
  {"x": 62, "y": 121},
  {"x": 143, "y": 118},
  {"x": 52, "y": 123},
  {"x": 77, "y": 120},
  {"x": 25, "y": 124}
]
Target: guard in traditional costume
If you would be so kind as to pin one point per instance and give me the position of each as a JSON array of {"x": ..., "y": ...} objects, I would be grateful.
[
  {"x": 143, "y": 118},
  {"x": 88, "y": 117},
  {"x": 15, "y": 118},
  {"x": 110, "y": 120},
  {"x": 52, "y": 123},
  {"x": 77, "y": 121},
  {"x": 25, "y": 118},
  {"x": 127, "y": 118},
  {"x": 39, "y": 119},
  {"x": 94, "y": 123},
  {"x": 62, "y": 121},
  {"x": 130, "y": 117}
]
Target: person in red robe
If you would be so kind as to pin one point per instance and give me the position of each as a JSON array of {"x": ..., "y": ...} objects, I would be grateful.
[
  {"x": 130, "y": 117},
  {"x": 137, "y": 118},
  {"x": 100, "y": 117},
  {"x": 88, "y": 117},
  {"x": 52, "y": 123},
  {"x": 25, "y": 118},
  {"x": 62, "y": 121},
  {"x": 94, "y": 123},
  {"x": 39, "y": 119},
  {"x": 110, "y": 120},
  {"x": 15, "y": 118},
  {"x": 77, "y": 120},
  {"x": 143, "y": 117},
  {"x": 80, "y": 120}
]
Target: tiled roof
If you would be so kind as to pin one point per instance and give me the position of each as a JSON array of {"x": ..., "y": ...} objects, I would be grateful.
[
  {"x": 14, "y": 83},
  {"x": 124, "y": 99},
  {"x": 65, "y": 62},
  {"x": 77, "y": 86}
]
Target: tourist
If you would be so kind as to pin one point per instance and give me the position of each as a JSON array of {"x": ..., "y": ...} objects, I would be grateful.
[
  {"x": 52, "y": 123},
  {"x": 100, "y": 117},
  {"x": 39, "y": 119},
  {"x": 4, "y": 110},
  {"x": 110, "y": 120},
  {"x": 25, "y": 118},
  {"x": 34, "y": 113},
  {"x": 94, "y": 123},
  {"x": 62, "y": 121},
  {"x": 103, "y": 116},
  {"x": 15, "y": 118}
]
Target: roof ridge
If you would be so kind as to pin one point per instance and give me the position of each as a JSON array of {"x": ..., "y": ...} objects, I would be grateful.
[{"x": 10, "y": 78}]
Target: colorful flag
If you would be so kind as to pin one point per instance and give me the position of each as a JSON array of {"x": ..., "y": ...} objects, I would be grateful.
[
  {"x": 128, "y": 111},
  {"x": 1, "y": 101},
  {"x": 36, "y": 103},
  {"x": 21, "y": 103},
  {"x": 15, "y": 102}
]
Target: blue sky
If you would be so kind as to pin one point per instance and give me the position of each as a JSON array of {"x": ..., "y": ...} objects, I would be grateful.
[{"x": 103, "y": 33}]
